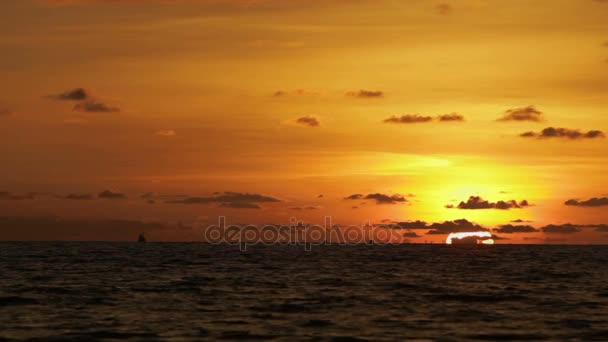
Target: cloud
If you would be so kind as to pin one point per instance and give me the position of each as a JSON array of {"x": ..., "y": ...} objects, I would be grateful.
[
  {"x": 379, "y": 198},
  {"x": 297, "y": 92},
  {"x": 417, "y": 118},
  {"x": 365, "y": 94},
  {"x": 444, "y": 9},
  {"x": 107, "y": 194},
  {"x": 234, "y": 200},
  {"x": 451, "y": 117},
  {"x": 79, "y": 197},
  {"x": 5, "y": 112},
  {"x": 240, "y": 205},
  {"x": 7, "y": 196},
  {"x": 412, "y": 224},
  {"x": 76, "y": 94},
  {"x": 513, "y": 229},
  {"x": 308, "y": 207},
  {"x": 520, "y": 221},
  {"x": 592, "y": 202},
  {"x": 411, "y": 235},
  {"x": 561, "y": 229},
  {"x": 408, "y": 119},
  {"x": 573, "y": 134},
  {"x": 476, "y": 202},
  {"x": 496, "y": 237},
  {"x": 91, "y": 106},
  {"x": 208, "y": 4},
  {"x": 529, "y": 113},
  {"x": 166, "y": 133},
  {"x": 309, "y": 121},
  {"x": 456, "y": 226}
]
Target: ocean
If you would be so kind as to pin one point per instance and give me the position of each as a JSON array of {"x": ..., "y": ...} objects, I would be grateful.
[{"x": 104, "y": 291}]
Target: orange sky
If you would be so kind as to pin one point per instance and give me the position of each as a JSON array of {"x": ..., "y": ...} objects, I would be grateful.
[{"x": 292, "y": 100}]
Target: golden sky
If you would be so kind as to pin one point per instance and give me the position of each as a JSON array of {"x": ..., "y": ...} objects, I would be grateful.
[{"x": 415, "y": 105}]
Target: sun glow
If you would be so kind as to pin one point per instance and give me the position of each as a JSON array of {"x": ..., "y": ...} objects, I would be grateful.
[{"x": 470, "y": 238}]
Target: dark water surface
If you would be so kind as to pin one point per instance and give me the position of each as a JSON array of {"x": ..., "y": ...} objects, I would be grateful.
[{"x": 187, "y": 291}]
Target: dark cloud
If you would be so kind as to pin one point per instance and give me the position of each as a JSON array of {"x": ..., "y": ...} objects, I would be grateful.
[
  {"x": 412, "y": 225},
  {"x": 520, "y": 221},
  {"x": 7, "y": 196},
  {"x": 561, "y": 229},
  {"x": 456, "y": 226},
  {"x": 476, "y": 202},
  {"x": 365, "y": 93},
  {"x": 5, "y": 112},
  {"x": 234, "y": 200},
  {"x": 307, "y": 207},
  {"x": 573, "y": 134},
  {"x": 444, "y": 9},
  {"x": 592, "y": 202},
  {"x": 95, "y": 107},
  {"x": 513, "y": 229},
  {"x": 309, "y": 121},
  {"x": 408, "y": 119},
  {"x": 107, "y": 194},
  {"x": 451, "y": 117},
  {"x": 529, "y": 113},
  {"x": 76, "y": 94},
  {"x": 320, "y": 196},
  {"x": 240, "y": 205},
  {"x": 379, "y": 198},
  {"x": 297, "y": 92},
  {"x": 411, "y": 235},
  {"x": 79, "y": 197}
]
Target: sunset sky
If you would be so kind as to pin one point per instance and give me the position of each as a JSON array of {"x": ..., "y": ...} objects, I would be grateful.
[{"x": 376, "y": 111}]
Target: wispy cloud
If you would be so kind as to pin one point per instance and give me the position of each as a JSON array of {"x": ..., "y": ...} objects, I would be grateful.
[
  {"x": 166, "y": 133},
  {"x": 95, "y": 107},
  {"x": 5, "y": 195},
  {"x": 529, "y": 113},
  {"x": 108, "y": 194},
  {"x": 408, "y": 119},
  {"x": 235, "y": 200},
  {"x": 309, "y": 121},
  {"x": 76, "y": 94},
  {"x": 79, "y": 197},
  {"x": 444, "y": 9},
  {"x": 365, "y": 94}
]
